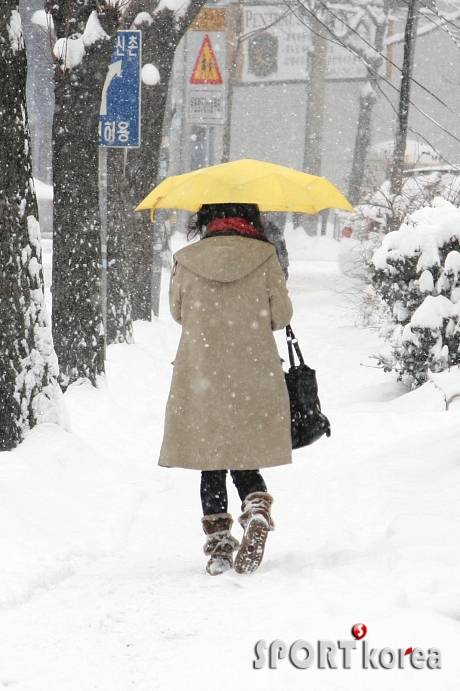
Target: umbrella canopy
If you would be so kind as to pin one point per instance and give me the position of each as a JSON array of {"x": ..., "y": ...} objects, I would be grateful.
[{"x": 271, "y": 187}]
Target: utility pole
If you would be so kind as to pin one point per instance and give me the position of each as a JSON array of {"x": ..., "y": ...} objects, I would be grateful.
[{"x": 404, "y": 98}]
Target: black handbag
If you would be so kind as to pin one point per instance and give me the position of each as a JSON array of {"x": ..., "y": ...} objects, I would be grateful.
[{"x": 308, "y": 423}]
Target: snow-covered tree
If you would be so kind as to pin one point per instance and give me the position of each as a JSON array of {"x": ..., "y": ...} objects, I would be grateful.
[
  {"x": 361, "y": 25},
  {"x": 85, "y": 32},
  {"x": 29, "y": 393},
  {"x": 131, "y": 236},
  {"x": 416, "y": 273}
]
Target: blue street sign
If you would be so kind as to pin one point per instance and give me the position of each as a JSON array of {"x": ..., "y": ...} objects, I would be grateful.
[{"x": 120, "y": 121}]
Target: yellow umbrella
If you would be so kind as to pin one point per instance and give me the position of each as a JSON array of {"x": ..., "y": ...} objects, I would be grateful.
[{"x": 271, "y": 187}]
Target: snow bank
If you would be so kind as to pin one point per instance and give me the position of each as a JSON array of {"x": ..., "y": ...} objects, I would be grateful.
[
  {"x": 303, "y": 247},
  {"x": 67, "y": 498},
  {"x": 423, "y": 234},
  {"x": 59, "y": 500},
  {"x": 102, "y": 566},
  {"x": 448, "y": 383}
]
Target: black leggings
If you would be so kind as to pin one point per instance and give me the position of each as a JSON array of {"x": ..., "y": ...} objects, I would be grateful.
[{"x": 214, "y": 488}]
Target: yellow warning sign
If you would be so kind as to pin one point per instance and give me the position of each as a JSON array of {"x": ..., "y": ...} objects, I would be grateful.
[
  {"x": 209, "y": 19},
  {"x": 206, "y": 70}
]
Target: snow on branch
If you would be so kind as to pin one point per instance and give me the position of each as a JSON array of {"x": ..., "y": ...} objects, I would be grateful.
[
  {"x": 43, "y": 19},
  {"x": 178, "y": 7},
  {"x": 15, "y": 32},
  {"x": 71, "y": 51},
  {"x": 143, "y": 18},
  {"x": 436, "y": 23}
]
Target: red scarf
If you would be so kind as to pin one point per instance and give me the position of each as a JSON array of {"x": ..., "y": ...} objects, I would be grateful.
[{"x": 236, "y": 223}]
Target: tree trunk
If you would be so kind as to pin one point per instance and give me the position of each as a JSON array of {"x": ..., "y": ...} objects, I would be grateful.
[
  {"x": 367, "y": 100},
  {"x": 315, "y": 101},
  {"x": 316, "y": 87},
  {"x": 119, "y": 309},
  {"x": 29, "y": 392},
  {"x": 379, "y": 17},
  {"x": 77, "y": 316},
  {"x": 404, "y": 99}
]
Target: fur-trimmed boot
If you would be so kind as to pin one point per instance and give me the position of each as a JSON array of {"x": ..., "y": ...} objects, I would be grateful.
[
  {"x": 257, "y": 522},
  {"x": 220, "y": 543}
]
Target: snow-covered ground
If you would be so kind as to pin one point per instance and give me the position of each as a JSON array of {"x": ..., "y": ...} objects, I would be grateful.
[{"x": 102, "y": 580}]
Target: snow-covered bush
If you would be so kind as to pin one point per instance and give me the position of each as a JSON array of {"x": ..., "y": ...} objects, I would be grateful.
[
  {"x": 416, "y": 273},
  {"x": 419, "y": 188},
  {"x": 378, "y": 213}
]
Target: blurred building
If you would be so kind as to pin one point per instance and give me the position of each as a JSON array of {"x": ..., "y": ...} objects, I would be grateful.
[
  {"x": 266, "y": 88},
  {"x": 240, "y": 87}
]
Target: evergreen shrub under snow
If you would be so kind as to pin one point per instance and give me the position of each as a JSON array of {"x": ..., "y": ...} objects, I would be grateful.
[{"x": 416, "y": 273}]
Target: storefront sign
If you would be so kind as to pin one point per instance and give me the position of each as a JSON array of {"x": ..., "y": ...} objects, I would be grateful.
[{"x": 275, "y": 45}]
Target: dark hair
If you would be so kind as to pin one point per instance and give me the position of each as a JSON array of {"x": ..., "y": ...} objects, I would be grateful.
[{"x": 198, "y": 223}]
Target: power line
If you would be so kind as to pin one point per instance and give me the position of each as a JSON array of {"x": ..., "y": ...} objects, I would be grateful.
[
  {"x": 434, "y": 121},
  {"x": 392, "y": 106},
  {"x": 339, "y": 41},
  {"x": 384, "y": 57},
  {"x": 433, "y": 8},
  {"x": 442, "y": 157}
]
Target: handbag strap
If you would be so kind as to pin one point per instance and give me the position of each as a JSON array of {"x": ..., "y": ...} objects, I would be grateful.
[{"x": 292, "y": 341}]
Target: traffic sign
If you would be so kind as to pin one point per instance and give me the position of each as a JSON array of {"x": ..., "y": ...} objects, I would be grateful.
[
  {"x": 209, "y": 19},
  {"x": 206, "y": 70},
  {"x": 206, "y": 107},
  {"x": 119, "y": 121}
]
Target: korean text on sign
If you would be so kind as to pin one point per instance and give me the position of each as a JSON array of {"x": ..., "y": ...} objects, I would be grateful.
[{"x": 119, "y": 122}]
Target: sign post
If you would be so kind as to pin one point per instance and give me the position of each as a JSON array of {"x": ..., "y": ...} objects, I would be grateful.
[
  {"x": 119, "y": 126},
  {"x": 204, "y": 100}
]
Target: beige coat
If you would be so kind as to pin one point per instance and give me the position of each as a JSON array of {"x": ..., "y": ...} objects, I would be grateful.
[{"x": 228, "y": 406}]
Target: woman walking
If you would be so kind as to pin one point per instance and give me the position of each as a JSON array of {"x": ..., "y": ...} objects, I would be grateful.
[{"x": 228, "y": 407}]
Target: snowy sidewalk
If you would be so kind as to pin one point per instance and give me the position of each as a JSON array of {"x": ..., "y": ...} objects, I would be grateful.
[{"x": 102, "y": 583}]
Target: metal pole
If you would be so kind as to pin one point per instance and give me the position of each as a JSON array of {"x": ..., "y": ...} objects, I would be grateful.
[
  {"x": 157, "y": 259},
  {"x": 103, "y": 214},
  {"x": 233, "y": 38}
]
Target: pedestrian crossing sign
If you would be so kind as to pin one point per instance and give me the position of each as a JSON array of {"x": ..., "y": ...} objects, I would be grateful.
[{"x": 206, "y": 70}]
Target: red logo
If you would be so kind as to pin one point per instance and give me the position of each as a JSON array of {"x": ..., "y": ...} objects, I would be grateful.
[{"x": 359, "y": 631}]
